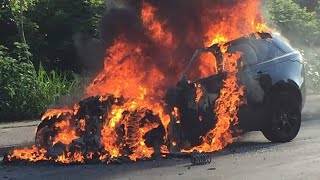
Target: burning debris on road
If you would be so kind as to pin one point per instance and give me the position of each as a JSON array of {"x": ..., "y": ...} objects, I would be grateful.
[
  {"x": 96, "y": 131},
  {"x": 124, "y": 114}
]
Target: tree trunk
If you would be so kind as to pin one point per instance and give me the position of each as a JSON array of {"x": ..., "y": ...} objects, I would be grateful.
[{"x": 23, "y": 38}]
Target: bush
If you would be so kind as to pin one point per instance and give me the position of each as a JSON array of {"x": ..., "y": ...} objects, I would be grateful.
[
  {"x": 312, "y": 66},
  {"x": 54, "y": 84},
  {"x": 299, "y": 25},
  {"x": 18, "y": 89},
  {"x": 24, "y": 93}
]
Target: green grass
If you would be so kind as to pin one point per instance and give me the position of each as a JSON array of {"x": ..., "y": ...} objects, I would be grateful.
[
  {"x": 26, "y": 93},
  {"x": 54, "y": 84}
]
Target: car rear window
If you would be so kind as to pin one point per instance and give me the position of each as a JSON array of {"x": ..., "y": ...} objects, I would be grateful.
[{"x": 266, "y": 49}]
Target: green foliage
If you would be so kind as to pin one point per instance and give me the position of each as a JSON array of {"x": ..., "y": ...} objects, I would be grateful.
[
  {"x": 311, "y": 5},
  {"x": 18, "y": 89},
  {"x": 55, "y": 84},
  {"x": 312, "y": 66},
  {"x": 24, "y": 93},
  {"x": 21, "y": 51},
  {"x": 50, "y": 27},
  {"x": 298, "y": 24}
]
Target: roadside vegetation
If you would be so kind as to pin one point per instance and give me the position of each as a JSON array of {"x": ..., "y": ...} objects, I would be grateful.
[
  {"x": 299, "y": 21},
  {"x": 25, "y": 92},
  {"x": 40, "y": 60}
]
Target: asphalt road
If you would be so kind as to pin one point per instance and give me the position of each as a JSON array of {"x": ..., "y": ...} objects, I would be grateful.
[{"x": 250, "y": 157}]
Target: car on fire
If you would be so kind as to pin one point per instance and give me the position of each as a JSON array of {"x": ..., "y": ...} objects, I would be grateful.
[{"x": 273, "y": 78}]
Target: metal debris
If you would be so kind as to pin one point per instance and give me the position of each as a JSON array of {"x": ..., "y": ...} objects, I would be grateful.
[{"x": 200, "y": 159}]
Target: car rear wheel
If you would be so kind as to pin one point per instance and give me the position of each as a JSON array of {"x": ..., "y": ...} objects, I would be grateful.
[{"x": 285, "y": 118}]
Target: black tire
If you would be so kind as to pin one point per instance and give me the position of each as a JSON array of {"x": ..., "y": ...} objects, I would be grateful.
[
  {"x": 43, "y": 134},
  {"x": 285, "y": 115}
]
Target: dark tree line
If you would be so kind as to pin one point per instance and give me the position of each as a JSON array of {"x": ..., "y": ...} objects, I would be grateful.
[{"x": 52, "y": 28}]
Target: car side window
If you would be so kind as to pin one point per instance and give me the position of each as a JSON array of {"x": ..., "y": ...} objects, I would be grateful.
[
  {"x": 249, "y": 56},
  {"x": 265, "y": 49}
]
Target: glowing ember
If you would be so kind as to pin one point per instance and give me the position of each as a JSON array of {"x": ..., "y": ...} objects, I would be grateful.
[
  {"x": 198, "y": 92},
  {"x": 176, "y": 115}
]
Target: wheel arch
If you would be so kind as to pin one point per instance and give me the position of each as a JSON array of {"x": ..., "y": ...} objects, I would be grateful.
[{"x": 288, "y": 86}]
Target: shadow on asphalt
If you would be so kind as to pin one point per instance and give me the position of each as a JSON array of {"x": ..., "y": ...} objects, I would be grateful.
[
  {"x": 235, "y": 148},
  {"x": 248, "y": 146}
]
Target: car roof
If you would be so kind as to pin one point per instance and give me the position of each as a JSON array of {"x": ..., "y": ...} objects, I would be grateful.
[
  {"x": 252, "y": 36},
  {"x": 274, "y": 37},
  {"x": 247, "y": 38}
]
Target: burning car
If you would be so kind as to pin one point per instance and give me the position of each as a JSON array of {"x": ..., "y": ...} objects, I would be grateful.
[
  {"x": 127, "y": 112},
  {"x": 272, "y": 75},
  {"x": 258, "y": 84}
]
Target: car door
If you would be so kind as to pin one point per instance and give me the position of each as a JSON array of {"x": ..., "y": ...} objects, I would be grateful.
[
  {"x": 249, "y": 76},
  {"x": 251, "y": 115},
  {"x": 270, "y": 59}
]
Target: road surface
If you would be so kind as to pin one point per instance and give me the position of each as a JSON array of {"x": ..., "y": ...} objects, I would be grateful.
[{"x": 250, "y": 157}]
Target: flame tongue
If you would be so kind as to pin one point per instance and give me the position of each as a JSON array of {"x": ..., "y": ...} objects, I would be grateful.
[
  {"x": 30, "y": 154},
  {"x": 154, "y": 27}
]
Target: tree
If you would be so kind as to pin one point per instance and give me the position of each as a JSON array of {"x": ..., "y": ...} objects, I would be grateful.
[
  {"x": 50, "y": 28},
  {"x": 311, "y": 5},
  {"x": 299, "y": 25},
  {"x": 57, "y": 23}
]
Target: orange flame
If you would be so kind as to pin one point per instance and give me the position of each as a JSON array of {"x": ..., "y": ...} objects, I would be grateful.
[
  {"x": 67, "y": 158},
  {"x": 31, "y": 154},
  {"x": 66, "y": 133},
  {"x": 123, "y": 58},
  {"x": 154, "y": 26},
  {"x": 208, "y": 64},
  {"x": 56, "y": 112},
  {"x": 237, "y": 21}
]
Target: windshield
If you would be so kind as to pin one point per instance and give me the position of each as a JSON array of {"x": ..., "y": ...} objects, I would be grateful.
[{"x": 202, "y": 64}]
